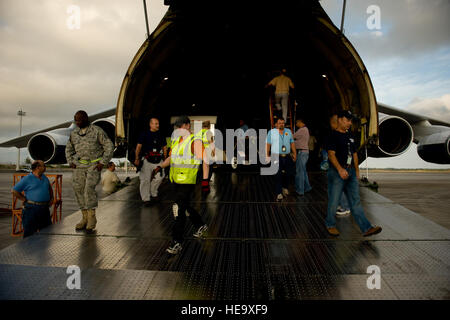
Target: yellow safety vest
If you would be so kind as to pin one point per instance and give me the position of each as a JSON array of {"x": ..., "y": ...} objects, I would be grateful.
[
  {"x": 202, "y": 135},
  {"x": 183, "y": 167}
]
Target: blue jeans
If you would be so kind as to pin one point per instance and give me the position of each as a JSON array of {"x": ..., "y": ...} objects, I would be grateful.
[
  {"x": 337, "y": 185},
  {"x": 35, "y": 218},
  {"x": 301, "y": 177},
  {"x": 343, "y": 202},
  {"x": 324, "y": 165}
]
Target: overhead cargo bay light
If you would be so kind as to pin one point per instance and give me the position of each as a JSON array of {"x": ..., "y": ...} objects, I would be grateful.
[{"x": 222, "y": 58}]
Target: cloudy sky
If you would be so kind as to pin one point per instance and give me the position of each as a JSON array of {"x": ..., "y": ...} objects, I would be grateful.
[{"x": 51, "y": 69}]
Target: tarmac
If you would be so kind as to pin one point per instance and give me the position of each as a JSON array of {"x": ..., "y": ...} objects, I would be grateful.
[
  {"x": 426, "y": 193},
  {"x": 255, "y": 248}
]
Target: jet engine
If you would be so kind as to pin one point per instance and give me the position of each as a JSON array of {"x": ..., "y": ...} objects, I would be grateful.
[
  {"x": 435, "y": 148},
  {"x": 108, "y": 125},
  {"x": 395, "y": 137},
  {"x": 50, "y": 146}
]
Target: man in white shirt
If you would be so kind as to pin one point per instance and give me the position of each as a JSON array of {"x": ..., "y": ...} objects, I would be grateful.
[
  {"x": 282, "y": 84},
  {"x": 110, "y": 180}
]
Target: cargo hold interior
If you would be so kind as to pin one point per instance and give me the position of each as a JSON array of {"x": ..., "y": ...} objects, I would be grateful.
[{"x": 219, "y": 64}]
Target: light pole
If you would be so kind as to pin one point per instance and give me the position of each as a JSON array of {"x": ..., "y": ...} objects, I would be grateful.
[
  {"x": 343, "y": 16},
  {"x": 21, "y": 114},
  {"x": 146, "y": 18}
]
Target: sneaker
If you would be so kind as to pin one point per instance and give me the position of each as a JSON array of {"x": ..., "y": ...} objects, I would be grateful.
[
  {"x": 234, "y": 163},
  {"x": 280, "y": 197},
  {"x": 201, "y": 231},
  {"x": 174, "y": 248},
  {"x": 333, "y": 231},
  {"x": 372, "y": 231},
  {"x": 342, "y": 212},
  {"x": 175, "y": 210},
  {"x": 285, "y": 192}
]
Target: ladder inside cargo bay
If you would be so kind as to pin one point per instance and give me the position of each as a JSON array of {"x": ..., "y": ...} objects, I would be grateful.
[{"x": 274, "y": 113}]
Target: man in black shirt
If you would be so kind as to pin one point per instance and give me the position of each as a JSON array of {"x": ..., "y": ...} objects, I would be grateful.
[
  {"x": 343, "y": 176},
  {"x": 151, "y": 149}
]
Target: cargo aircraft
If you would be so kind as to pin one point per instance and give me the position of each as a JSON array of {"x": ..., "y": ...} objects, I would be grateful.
[{"x": 215, "y": 58}]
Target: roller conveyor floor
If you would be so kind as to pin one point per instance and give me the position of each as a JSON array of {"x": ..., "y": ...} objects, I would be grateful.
[{"x": 256, "y": 248}]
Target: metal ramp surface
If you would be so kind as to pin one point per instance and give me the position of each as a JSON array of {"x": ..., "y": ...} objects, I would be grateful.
[{"x": 256, "y": 249}]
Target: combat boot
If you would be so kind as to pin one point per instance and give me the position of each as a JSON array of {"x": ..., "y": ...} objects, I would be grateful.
[
  {"x": 91, "y": 221},
  {"x": 82, "y": 224}
]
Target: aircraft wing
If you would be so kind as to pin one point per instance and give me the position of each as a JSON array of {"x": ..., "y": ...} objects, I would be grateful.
[
  {"x": 412, "y": 118},
  {"x": 21, "y": 142}
]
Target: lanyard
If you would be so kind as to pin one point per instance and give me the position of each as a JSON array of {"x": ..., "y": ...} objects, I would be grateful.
[
  {"x": 349, "y": 152},
  {"x": 282, "y": 137}
]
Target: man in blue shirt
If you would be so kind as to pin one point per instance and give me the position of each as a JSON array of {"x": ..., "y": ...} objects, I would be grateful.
[
  {"x": 280, "y": 144},
  {"x": 37, "y": 199}
]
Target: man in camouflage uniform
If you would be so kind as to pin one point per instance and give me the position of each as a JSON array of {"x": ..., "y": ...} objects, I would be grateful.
[{"x": 87, "y": 151}]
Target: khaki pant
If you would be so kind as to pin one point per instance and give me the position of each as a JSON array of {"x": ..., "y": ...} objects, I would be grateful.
[
  {"x": 84, "y": 182},
  {"x": 282, "y": 102},
  {"x": 148, "y": 188}
]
